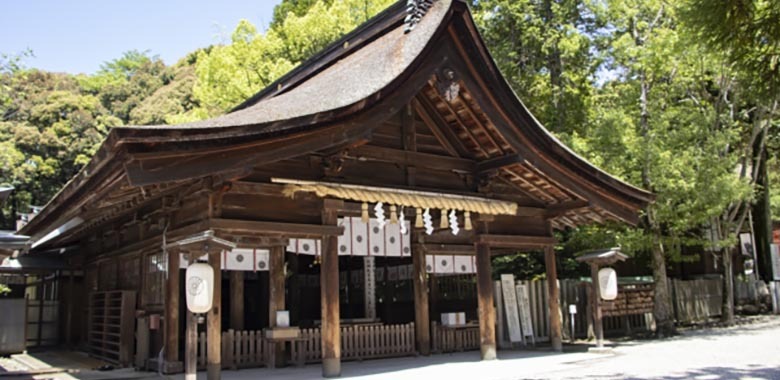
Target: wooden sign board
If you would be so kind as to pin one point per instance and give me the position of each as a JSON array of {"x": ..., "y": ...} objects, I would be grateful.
[
  {"x": 524, "y": 306},
  {"x": 510, "y": 307}
]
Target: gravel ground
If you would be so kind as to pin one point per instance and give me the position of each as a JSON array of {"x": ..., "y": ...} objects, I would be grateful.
[{"x": 749, "y": 351}]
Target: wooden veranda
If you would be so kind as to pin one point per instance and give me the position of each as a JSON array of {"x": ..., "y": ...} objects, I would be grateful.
[{"x": 417, "y": 123}]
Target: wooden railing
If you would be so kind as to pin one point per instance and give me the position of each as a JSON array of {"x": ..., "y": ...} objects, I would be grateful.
[
  {"x": 242, "y": 349},
  {"x": 451, "y": 339}
]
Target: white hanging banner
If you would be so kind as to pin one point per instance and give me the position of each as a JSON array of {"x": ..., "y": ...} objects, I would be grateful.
[
  {"x": 361, "y": 239},
  {"x": 240, "y": 259}
]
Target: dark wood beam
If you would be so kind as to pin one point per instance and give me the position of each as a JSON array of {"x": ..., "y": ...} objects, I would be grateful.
[
  {"x": 401, "y": 157},
  {"x": 499, "y": 162},
  {"x": 445, "y": 249},
  {"x": 515, "y": 241},
  {"x": 555, "y": 211},
  {"x": 441, "y": 131},
  {"x": 257, "y": 228}
]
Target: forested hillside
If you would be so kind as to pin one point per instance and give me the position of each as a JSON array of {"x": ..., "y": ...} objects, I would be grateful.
[{"x": 677, "y": 97}]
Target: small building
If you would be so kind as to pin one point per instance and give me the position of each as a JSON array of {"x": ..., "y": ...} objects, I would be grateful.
[{"x": 396, "y": 154}]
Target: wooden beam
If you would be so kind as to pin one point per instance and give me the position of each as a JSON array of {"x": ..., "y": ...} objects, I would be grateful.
[
  {"x": 172, "y": 308},
  {"x": 515, "y": 241},
  {"x": 409, "y": 140},
  {"x": 191, "y": 339},
  {"x": 276, "y": 294},
  {"x": 401, "y": 157},
  {"x": 329, "y": 294},
  {"x": 445, "y": 249},
  {"x": 552, "y": 298},
  {"x": 292, "y": 230},
  {"x": 561, "y": 209},
  {"x": 598, "y": 326},
  {"x": 237, "y": 300},
  {"x": 499, "y": 162},
  {"x": 421, "y": 313},
  {"x": 440, "y": 130},
  {"x": 487, "y": 314},
  {"x": 214, "y": 324}
]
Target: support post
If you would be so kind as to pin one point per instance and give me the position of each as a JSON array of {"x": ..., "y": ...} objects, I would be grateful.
[
  {"x": 487, "y": 313},
  {"x": 69, "y": 316},
  {"x": 329, "y": 294},
  {"x": 596, "y": 305},
  {"x": 369, "y": 289},
  {"x": 552, "y": 299},
  {"x": 172, "y": 311},
  {"x": 237, "y": 300},
  {"x": 191, "y": 340},
  {"x": 276, "y": 294},
  {"x": 422, "y": 322},
  {"x": 214, "y": 324}
]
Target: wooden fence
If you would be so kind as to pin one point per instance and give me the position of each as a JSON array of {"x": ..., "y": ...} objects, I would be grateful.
[
  {"x": 696, "y": 300},
  {"x": 452, "y": 339},
  {"x": 243, "y": 349},
  {"x": 574, "y": 292}
]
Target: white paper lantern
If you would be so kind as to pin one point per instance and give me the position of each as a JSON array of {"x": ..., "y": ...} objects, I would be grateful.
[
  {"x": 608, "y": 284},
  {"x": 199, "y": 287}
]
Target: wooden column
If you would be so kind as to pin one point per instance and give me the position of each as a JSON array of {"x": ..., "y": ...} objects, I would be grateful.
[
  {"x": 422, "y": 322},
  {"x": 237, "y": 300},
  {"x": 329, "y": 295},
  {"x": 276, "y": 293},
  {"x": 69, "y": 315},
  {"x": 369, "y": 287},
  {"x": 191, "y": 340},
  {"x": 596, "y": 305},
  {"x": 214, "y": 323},
  {"x": 487, "y": 314},
  {"x": 172, "y": 309},
  {"x": 552, "y": 299}
]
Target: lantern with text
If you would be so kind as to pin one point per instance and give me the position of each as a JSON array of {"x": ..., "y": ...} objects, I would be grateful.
[
  {"x": 199, "y": 287},
  {"x": 608, "y": 284}
]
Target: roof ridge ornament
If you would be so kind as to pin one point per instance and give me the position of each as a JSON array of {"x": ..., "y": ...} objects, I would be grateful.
[{"x": 415, "y": 10}]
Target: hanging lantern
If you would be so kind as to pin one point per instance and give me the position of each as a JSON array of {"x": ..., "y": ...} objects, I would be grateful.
[
  {"x": 200, "y": 287},
  {"x": 608, "y": 284},
  {"x": 393, "y": 215},
  {"x": 418, "y": 220},
  {"x": 467, "y": 221},
  {"x": 454, "y": 222},
  {"x": 364, "y": 212},
  {"x": 428, "y": 221},
  {"x": 443, "y": 223}
]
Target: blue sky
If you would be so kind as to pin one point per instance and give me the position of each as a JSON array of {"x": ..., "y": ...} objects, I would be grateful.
[{"x": 78, "y": 36}]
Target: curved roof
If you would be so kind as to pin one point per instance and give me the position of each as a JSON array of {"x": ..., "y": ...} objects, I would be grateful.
[{"x": 377, "y": 64}]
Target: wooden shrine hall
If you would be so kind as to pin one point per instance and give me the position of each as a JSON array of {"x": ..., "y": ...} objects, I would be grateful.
[{"x": 395, "y": 149}]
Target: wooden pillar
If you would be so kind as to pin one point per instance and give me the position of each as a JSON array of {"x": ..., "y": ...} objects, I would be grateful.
[
  {"x": 596, "y": 305},
  {"x": 552, "y": 299},
  {"x": 276, "y": 293},
  {"x": 237, "y": 300},
  {"x": 172, "y": 309},
  {"x": 214, "y": 324},
  {"x": 329, "y": 295},
  {"x": 191, "y": 340},
  {"x": 422, "y": 322},
  {"x": 71, "y": 306},
  {"x": 369, "y": 288},
  {"x": 487, "y": 314}
]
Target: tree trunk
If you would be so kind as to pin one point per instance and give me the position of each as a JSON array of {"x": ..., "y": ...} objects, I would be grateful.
[
  {"x": 662, "y": 306},
  {"x": 727, "y": 314},
  {"x": 762, "y": 218}
]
